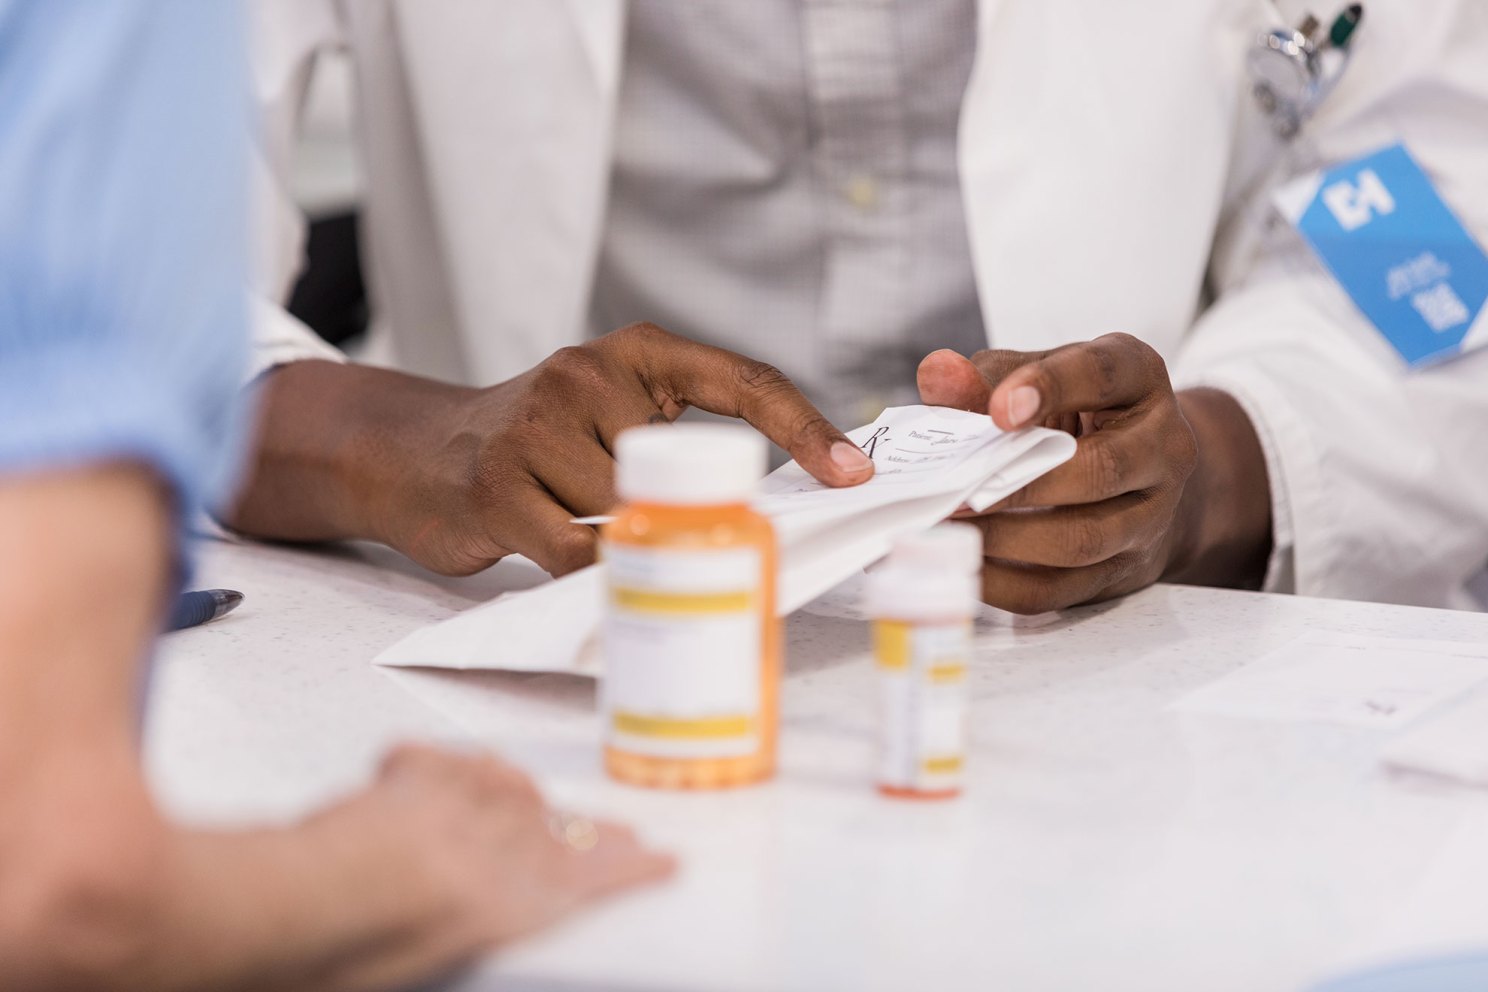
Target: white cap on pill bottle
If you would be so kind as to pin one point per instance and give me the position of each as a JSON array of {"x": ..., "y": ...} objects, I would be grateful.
[
  {"x": 927, "y": 574},
  {"x": 689, "y": 464},
  {"x": 950, "y": 547}
]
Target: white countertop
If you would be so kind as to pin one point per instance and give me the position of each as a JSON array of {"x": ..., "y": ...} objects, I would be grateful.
[{"x": 1104, "y": 842}]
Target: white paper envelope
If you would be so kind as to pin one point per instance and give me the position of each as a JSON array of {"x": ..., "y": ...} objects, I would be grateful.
[{"x": 929, "y": 462}]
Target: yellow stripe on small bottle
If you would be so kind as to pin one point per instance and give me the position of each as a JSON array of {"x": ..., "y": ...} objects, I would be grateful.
[
  {"x": 944, "y": 765},
  {"x": 953, "y": 672},
  {"x": 703, "y": 728},
  {"x": 687, "y": 603},
  {"x": 891, "y": 643}
]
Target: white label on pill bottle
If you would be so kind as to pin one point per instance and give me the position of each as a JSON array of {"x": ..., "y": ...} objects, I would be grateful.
[
  {"x": 922, "y": 686},
  {"x": 682, "y": 644}
]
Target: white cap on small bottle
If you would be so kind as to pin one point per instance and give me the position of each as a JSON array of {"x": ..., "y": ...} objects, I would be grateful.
[
  {"x": 689, "y": 464},
  {"x": 951, "y": 547},
  {"x": 928, "y": 575}
]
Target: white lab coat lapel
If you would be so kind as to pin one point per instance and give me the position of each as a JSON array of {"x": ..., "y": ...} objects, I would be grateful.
[
  {"x": 518, "y": 162},
  {"x": 601, "y": 27},
  {"x": 1070, "y": 132}
]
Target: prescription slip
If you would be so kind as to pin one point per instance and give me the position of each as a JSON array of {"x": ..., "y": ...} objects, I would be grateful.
[
  {"x": 928, "y": 461},
  {"x": 1379, "y": 683},
  {"x": 1452, "y": 744}
]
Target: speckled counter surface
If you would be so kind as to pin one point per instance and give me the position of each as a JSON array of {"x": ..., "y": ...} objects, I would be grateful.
[{"x": 1105, "y": 842}]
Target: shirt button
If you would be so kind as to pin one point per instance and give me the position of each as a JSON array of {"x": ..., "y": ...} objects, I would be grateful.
[{"x": 862, "y": 192}]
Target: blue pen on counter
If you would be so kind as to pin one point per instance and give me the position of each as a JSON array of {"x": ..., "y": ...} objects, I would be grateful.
[{"x": 194, "y": 608}]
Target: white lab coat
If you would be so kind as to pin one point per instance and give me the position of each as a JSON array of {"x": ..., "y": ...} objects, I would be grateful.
[{"x": 1116, "y": 177}]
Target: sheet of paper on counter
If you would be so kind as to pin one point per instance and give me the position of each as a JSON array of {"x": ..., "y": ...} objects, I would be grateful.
[
  {"x": 1349, "y": 679},
  {"x": 929, "y": 461},
  {"x": 1452, "y": 743}
]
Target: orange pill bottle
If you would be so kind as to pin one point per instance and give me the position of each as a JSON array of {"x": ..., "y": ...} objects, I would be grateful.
[
  {"x": 691, "y": 643},
  {"x": 922, "y": 599}
]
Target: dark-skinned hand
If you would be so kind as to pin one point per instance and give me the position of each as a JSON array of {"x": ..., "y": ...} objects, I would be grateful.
[
  {"x": 1108, "y": 521},
  {"x": 457, "y": 478}
]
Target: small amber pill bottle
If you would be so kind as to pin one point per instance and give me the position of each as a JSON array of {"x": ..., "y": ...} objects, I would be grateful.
[
  {"x": 691, "y": 643},
  {"x": 922, "y": 599}
]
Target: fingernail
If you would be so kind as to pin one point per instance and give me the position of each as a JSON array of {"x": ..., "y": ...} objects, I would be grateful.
[
  {"x": 1023, "y": 403},
  {"x": 849, "y": 457}
]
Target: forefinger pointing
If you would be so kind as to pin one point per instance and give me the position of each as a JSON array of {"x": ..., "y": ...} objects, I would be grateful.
[{"x": 727, "y": 383}]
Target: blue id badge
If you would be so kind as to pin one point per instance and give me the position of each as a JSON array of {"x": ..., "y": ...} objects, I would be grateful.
[{"x": 1407, "y": 262}]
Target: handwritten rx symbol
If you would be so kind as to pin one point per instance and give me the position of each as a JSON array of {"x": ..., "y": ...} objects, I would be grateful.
[{"x": 871, "y": 445}]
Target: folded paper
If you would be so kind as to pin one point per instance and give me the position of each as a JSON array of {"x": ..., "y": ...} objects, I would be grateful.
[{"x": 929, "y": 462}]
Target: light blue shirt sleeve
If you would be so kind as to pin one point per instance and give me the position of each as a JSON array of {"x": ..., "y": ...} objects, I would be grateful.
[
  {"x": 1461, "y": 973},
  {"x": 124, "y": 126}
]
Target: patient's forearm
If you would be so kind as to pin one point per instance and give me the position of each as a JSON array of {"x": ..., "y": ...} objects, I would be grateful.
[
  {"x": 328, "y": 905},
  {"x": 131, "y": 904},
  {"x": 96, "y": 890}
]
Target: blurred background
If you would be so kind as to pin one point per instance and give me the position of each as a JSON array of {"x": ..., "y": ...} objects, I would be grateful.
[{"x": 327, "y": 183}]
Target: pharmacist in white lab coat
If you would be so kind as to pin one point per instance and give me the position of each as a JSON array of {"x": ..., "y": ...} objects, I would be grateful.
[{"x": 841, "y": 189}]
